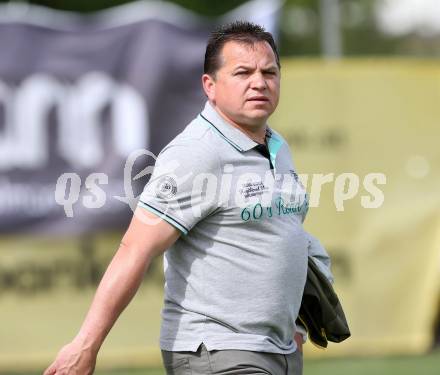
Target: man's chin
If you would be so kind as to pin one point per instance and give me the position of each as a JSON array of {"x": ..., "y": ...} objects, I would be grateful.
[
  {"x": 253, "y": 122},
  {"x": 258, "y": 115}
]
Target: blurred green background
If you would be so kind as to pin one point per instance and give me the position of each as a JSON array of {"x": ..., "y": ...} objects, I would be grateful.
[{"x": 301, "y": 25}]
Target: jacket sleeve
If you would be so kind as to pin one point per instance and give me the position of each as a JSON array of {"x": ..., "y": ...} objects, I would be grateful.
[{"x": 320, "y": 256}]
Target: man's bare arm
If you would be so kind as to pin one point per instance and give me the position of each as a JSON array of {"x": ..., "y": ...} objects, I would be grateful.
[{"x": 140, "y": 244}]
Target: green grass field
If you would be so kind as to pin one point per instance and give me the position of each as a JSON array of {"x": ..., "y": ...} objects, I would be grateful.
[{"x": 420, "y": 365}]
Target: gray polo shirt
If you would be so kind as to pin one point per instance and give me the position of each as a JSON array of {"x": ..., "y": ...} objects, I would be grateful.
[{"x": 235, "y": 278}]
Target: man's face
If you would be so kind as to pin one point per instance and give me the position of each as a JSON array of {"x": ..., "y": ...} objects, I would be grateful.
[{"x": 246, "y": 87}]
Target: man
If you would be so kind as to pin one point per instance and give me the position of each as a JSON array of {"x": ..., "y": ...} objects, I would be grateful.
[{"x": 225, "y": 205}]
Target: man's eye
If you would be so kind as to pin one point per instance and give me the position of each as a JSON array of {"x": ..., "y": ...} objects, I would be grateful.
[
  {"x": 242, "y": 72},
  {"x": 271, "y": 73}
]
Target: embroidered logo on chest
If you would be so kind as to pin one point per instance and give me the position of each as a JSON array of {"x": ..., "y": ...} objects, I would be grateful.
[{"x": 252, "y": 189}]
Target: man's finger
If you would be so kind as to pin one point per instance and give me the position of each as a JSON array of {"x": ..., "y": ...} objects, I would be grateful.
[{"x": 299, "y": 343}]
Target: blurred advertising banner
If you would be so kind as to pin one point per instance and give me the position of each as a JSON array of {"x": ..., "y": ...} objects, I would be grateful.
[
  {"x": 79, "y": 94},
  {"x": 365, "y": 136}
]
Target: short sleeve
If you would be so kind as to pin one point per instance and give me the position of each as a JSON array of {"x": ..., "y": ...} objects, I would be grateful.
[{"x": 183, "y": 186}]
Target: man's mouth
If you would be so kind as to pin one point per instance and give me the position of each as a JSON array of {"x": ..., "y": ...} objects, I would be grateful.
[{"x": 258, "y": 99}]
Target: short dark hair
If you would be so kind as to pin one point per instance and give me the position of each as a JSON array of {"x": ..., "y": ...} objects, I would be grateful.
[{"x": 238, "y": 31}]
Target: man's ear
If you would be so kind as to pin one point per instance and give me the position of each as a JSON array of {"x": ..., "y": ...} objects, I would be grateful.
[{"x": 208, "y": 83}]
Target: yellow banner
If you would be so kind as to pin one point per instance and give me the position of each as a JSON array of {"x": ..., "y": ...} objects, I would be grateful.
[
  {"x": 355, "y": 125},
  {"x": 46, "y": 287}
]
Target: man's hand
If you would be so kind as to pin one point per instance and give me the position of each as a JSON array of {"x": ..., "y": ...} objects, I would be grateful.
[
  {"x": 299, "y": 342},
  {"x": 74, "y": 358}
]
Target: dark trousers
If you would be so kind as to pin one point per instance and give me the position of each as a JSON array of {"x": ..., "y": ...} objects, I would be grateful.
[{"x": 231, "y": 362}]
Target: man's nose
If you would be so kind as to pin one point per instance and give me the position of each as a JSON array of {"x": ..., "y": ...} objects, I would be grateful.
[{"x": 258, "y": 81}]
